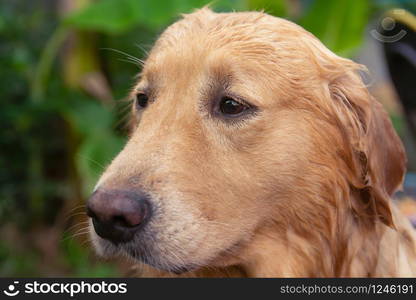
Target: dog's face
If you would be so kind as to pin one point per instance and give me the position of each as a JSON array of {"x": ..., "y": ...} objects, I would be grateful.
[{"x": 225, "y": 128}]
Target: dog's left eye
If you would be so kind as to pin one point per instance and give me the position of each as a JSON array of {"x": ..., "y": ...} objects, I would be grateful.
[
  {"x": 231, "y": 107},
  {"x": 141, "y": 100}
]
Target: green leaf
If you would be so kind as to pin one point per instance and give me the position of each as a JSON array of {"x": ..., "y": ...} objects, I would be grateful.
[
  {"x": 116, "y": 16},
  {"x": 79, "y": 260},
  {"x": 99, "y": 143},
  {"x": 94, "y": 155},
  {"x": 111, "y": 16},
  {"x": 338, "y": 24},
  {"x": 276, "y": 7},
  {"x": 88, "y": 117},
  {"x": 399, "y": 123}
]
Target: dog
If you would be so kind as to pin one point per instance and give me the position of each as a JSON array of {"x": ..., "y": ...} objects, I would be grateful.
[{"x": 254, "y": 151}]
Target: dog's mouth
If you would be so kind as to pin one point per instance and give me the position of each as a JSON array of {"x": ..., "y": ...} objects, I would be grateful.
[
  {"x": 142, "y": 253},
  {"x": 145, "y": 254}
]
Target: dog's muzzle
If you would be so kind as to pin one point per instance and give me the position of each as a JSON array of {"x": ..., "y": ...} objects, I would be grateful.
[{"x": 117, "y": 215}]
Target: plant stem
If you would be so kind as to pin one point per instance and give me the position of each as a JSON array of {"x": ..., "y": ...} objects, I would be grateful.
[{"x": 44, "y": 66}]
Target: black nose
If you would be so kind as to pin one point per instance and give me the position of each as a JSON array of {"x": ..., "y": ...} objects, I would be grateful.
[{"x": 117, "y": 215}]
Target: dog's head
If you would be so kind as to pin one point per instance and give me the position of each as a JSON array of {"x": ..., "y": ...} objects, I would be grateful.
[{"x": 242, "y": 121}]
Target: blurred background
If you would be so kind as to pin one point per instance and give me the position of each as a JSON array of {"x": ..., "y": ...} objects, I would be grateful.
[{"x": 66, "y": 67}]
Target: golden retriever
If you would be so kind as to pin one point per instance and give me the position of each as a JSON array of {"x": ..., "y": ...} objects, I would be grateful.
[{"x": 255, "y": 151}]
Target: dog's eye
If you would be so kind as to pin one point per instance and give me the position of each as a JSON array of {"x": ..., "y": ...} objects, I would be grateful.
[
  {"x": 229, "y": 106},
  {"x": 141, "y": 100}
]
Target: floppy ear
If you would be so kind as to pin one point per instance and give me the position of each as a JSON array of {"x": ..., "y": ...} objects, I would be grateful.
[{"x": 375, "y": 155}]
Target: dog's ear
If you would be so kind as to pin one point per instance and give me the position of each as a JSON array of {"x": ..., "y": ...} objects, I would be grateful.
[{"x": 373, "y": 153}]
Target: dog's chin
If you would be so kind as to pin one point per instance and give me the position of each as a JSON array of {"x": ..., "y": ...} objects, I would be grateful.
[
  {"x": 107, "y": 249},
  {"x": 159, "y": 263},
  {"x": 222, "y": 259}
]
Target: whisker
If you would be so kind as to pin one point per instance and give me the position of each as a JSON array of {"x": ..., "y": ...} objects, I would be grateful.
[
  {"x": 74, "y": 235},
  {"x": 75, "y": 208},
  {"x": 133, "y": 58},
  {"x": 73, "y": 227},
  {"x": 146, "y": 52},
  {"x": 130, "y": 61},
  {"x": 75, "y": 214},
  {"x": 92, "y": 160},
  {"x": 124, "y": 110},
  {"x": 86, "y": 241}
]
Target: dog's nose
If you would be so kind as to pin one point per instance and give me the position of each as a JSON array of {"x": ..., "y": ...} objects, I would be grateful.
[{"x": 117, "y": 215}]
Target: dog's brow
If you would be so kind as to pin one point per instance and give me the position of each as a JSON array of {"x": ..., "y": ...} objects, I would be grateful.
[
  {"x": 146, "y": 86},
  {"x": 146, "y": 79},
  {"x": 217, "y": 83},
  {"x": 151, "y": 76},
  {"x": 221, "y": 75}
]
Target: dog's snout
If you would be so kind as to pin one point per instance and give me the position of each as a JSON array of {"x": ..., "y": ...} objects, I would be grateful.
[{"x": 117, "y": 215}]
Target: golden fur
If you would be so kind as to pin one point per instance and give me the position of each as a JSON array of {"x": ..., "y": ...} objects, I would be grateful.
[{"x": 300, "y": 188}]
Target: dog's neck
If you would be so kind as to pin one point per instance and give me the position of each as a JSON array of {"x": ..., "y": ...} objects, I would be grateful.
[
  {"x": 309, "y": 252},
  {"x": 359, "y": 250}
]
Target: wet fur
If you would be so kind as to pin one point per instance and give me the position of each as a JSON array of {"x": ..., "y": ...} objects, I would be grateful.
[{"x": 301, "y": 187}]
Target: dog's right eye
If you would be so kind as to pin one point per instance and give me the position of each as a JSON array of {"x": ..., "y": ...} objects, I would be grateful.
[
  {"x": 231, "y": 107},
  {"x": 141, "y": 100}
]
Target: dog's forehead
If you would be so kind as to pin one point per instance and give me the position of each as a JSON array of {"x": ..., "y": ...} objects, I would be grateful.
[
  {"x": 207, "y": 55},
  {"x": 204, "y": 45},
  {"x": 201, "y": 72}
]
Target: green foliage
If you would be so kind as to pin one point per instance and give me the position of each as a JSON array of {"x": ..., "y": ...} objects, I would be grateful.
[
  {"x": 116, "y": 16},
  {"x": 110, "y": 16},
  {"x": 16, "y": 264},
  {"x": 398, "y": 122},
  {"x": 99, "y": 144},
  {"x": 276, "y": 8},
  {"x": 45, "y": 145},
  {"x": 338, "y": 24},
  {"x": 17, "y": 114},
  {"x": 81, "y": 262}
]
